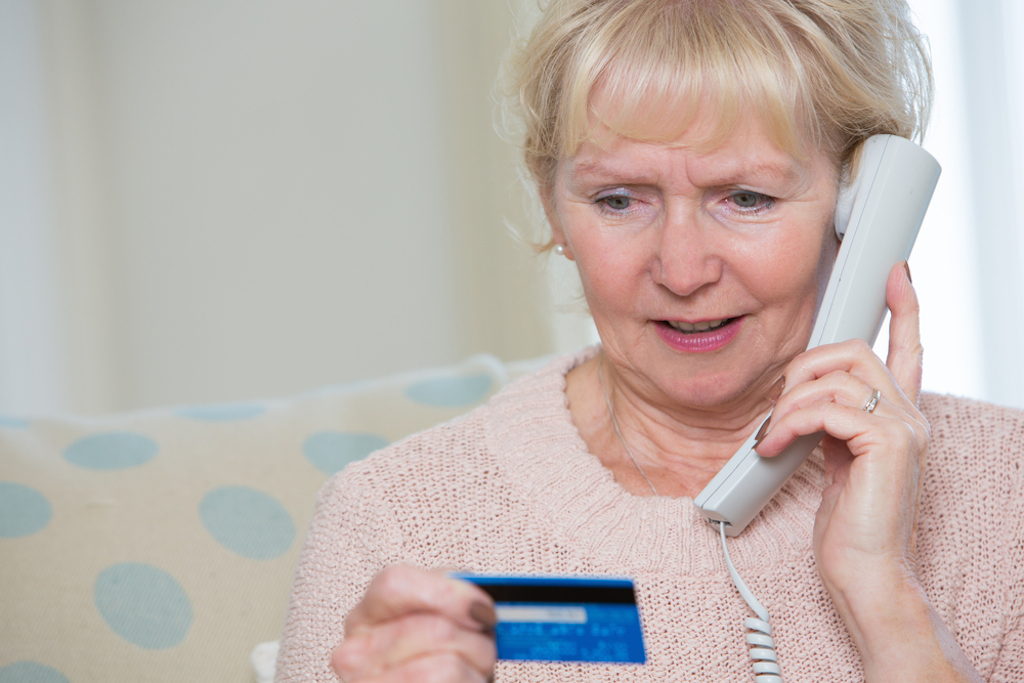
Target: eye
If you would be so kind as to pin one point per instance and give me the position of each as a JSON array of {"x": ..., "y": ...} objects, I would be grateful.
[
  {"x": 616, "y": 202},
  {"x": 751, "y": 202}
]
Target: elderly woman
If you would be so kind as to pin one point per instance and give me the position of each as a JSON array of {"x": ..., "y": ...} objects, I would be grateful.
[{"x": 688, "y": 154}]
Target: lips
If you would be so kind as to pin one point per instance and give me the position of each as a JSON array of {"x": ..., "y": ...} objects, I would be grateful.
[
  {"x": 699, "y": 337},
  {"x": 693, "y": 328}
]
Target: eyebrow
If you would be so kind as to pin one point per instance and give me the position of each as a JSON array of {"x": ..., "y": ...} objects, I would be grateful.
[
  {"x": 733, "y": 173},
  {"x": 782, "y": 172},
  {"x": 585, "y": 169}
]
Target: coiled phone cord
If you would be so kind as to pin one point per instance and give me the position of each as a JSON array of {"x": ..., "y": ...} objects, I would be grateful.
[{"x": 762, "y": 646}]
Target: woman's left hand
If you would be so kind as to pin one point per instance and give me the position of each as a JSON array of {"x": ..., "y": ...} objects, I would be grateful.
[
  {"x": 873, "y": 459},
  {"x": 864, "y": 533}
]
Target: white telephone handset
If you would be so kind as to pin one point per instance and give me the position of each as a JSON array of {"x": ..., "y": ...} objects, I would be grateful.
[{"x": 877, "y": 218}]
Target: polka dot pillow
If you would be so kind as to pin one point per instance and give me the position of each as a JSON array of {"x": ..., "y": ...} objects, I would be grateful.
[{"x": 160, "y": 545}]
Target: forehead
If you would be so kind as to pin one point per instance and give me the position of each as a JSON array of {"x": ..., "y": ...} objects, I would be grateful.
[
  {"x": 702, "y": 120},
  {"x": 745, "y": 152}
]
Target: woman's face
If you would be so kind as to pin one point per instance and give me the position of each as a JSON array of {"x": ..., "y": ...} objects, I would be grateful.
[{"x": 703, "y": 270}]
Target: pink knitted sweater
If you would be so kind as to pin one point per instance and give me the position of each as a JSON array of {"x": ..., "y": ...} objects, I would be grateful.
[{"x": 511, "y": 487}]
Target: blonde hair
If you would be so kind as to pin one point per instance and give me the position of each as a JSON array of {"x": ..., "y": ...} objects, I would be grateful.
[{"x": 827, "y": 73}]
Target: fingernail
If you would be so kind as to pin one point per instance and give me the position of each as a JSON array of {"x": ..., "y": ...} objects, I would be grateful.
[
  {"x": 906, "y": 267},
  {"x": 762, "y": 431},
  {"x": 777, "y": 389},
  {"x": 484, "y": 614}
]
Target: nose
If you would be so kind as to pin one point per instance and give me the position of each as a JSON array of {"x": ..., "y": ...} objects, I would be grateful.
[{"x": 687, "y": 257}]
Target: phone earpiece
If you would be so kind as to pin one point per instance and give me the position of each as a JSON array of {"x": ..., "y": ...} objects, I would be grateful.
[
  {"x": 848, "y": 196},
  {"x": 844, "y": 207}
]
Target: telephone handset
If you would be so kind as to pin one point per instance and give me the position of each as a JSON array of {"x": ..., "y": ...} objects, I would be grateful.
[{"x": 878, "y": 216}]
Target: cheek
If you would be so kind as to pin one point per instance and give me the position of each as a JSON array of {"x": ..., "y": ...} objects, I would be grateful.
[
  {"x": 605, "y": 262},
  {"x": 796, "y": 273},
  {"x": 608, "y": 282},
  {"x": 612, "y": 275}
]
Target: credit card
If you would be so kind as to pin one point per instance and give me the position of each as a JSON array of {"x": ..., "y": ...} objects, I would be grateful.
[{"x": 564, "y": 619}]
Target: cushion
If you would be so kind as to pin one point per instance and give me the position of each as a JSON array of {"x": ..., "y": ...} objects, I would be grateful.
[{"x": 160, "y": 545}]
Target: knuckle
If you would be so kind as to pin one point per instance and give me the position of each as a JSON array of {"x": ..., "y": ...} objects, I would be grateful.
[
  {"x": 905, "y": 437},
  {"x": 836, "y": 377},
  {"x": 438, "y": 629},
  {"x": 348, "y": 657},
  {"x": 390, "y": 578},
  {"x": 858, "y": 347},
  {"x": 912, "y": 346},
  {"x": 846, "y": 385},
  {"x": 437, "y": 593},
  {"x": 801, "y": 365},
  {"x": 444, "y": 667},
  {"x": 403, "y": 581}
]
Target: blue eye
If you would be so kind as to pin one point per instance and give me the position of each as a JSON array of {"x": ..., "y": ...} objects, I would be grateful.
[
  {"x": 617, "y": 202},
  {"x": 750, "y": 201}
]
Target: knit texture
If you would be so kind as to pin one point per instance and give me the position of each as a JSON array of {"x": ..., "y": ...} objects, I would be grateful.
[{"x": 511, "y": 488}]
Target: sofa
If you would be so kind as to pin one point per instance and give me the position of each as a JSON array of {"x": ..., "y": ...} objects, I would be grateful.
[{"x": 160, "y": 545}]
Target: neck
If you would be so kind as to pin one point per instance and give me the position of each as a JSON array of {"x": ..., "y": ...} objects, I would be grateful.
[{"x": 673, "y": 452}]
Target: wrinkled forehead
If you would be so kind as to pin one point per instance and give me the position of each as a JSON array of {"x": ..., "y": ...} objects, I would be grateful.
[
  {"x": 674, "y": 107},
  {"x": 747, "y": 154}
]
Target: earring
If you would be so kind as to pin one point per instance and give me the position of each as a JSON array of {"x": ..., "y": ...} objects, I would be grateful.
[{"x": 560, "y": 249}]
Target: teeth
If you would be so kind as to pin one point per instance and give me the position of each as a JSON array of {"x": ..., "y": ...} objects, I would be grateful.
[{"x": 698, "y": 327}]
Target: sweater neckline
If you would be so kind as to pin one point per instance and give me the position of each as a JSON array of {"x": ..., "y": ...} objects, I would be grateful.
[{"x": 547, "y": 461}]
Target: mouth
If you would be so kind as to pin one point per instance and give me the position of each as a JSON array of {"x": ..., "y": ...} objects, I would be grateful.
[{"x": 694, "y": 328}]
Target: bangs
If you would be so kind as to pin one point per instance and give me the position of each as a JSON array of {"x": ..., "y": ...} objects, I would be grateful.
[{"x": 648, "y": 71}]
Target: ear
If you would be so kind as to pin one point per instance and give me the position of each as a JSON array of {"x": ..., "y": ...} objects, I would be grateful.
[{"x": 550, "y": 212}]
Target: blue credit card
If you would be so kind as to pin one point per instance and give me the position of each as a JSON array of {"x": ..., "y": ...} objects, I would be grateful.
[{"x": 564, "y": 619}]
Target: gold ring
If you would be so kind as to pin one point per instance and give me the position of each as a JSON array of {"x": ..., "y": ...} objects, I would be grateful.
[{"x": 872, "y": 403}]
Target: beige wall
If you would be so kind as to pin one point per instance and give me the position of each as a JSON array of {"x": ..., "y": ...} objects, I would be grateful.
[
  {"x": 226, "y": 199},
  {"x": 257, "y": 197}
]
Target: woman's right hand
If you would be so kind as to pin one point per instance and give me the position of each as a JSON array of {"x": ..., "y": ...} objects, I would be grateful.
[{"x": 417, "y": 625}]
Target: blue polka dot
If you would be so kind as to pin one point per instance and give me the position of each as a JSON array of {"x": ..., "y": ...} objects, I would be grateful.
[
  {"x": 450, "y": 392},
  {"x": 331, "y": 451},
  {"x": 31, "y": 672},
  {"x": 23, "y": 511},
  {"x": 143, "y": 604},
  {"x": 13, "y": 422},
  {"x": 224, "y": 412},
  {"x": 111, "y": 451},
  {"x": 248, "y": 522}
]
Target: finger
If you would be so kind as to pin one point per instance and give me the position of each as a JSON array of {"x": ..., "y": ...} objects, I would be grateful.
[
  {"x": 402, "y": 590},
  {"x": 860, "y": 430},
  {"x": 857, "y": 359},
  {"x": 838, "y": 386},
  {"x": 905, "y": 351},
  {"x": 853, "y": 356},
  {"x": 373, "y": 651}
]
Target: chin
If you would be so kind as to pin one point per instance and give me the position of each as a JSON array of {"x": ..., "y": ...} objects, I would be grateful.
[{"x": 712, "y": 392}]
